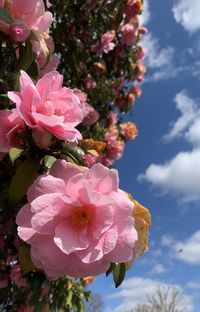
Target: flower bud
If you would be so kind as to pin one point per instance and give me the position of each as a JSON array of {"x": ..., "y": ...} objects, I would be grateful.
[{"x": 18, "y": 32}]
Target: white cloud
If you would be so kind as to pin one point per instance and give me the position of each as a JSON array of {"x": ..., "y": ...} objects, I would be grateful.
[
  {"x": 189, "y": 249},
  {"x": 193, "y": 134},
  {"x": 145, "y": 17},
  {"x": 189, "y": 113},
  {"x": 186, "y": 12},
  {"x": 181, "y": 174},
  {"x": 158, "y": 269},
  {"x": 167, "y": 240},
  {"x": 158, "y": 60},
  {"x": 156, "y": 57},
  {"x": 134, "y": 291},
  {"x": 193, "y": 285}
]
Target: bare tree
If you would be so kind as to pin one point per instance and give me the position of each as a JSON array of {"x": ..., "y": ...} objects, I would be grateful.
[
  {"x": 95, "y": 304},
  {"x": 164, "y": 299}
]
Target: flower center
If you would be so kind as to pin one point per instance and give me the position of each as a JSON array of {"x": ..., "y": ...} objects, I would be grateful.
[{"x": 80, "y": 216}]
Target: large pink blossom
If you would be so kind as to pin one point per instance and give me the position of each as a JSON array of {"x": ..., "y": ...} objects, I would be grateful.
[
  {"x": 77, "y": 221},
  {"x": 47, "y": 106},
  {"x": 31, "y": 14},
  {"x": 10, "y": 124}
]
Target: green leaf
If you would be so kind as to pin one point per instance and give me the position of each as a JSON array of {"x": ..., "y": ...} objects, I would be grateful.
[
  {"x": 5, "y": 16},
  {"x": 23, "y": 178},
  {"x": 69, "y": 298},
  {"x": 14, "y": 153},
  {"x": 34, "y": 70},
  {"x": 110, "y": 269},
  {"x": 26, "y": 56},
  {"x": 119, "y": 273},
  {"x": 49, "y": 160},
  {"x": 25, "y": 261}
]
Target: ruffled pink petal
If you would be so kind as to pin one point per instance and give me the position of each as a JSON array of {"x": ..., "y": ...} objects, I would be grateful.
[
  {"x": 104, "y": 180},
  {"x": 25, "y": 80},
  {"x": 80, "y": 269},
  {"x": 53, "y": 202},
  {"x": 98, "y": 248},
  {"x": 15, "y": 97},
  {"x": 76, "y": 184},
  {"x": 69, "y": 237},
  {"x": 47, "y": 254},
  {"x": 122, "y": 252},
  {"x": 48, "y": 218},
  {"x": 65, "y": 170},
  {"x": 50, "y": 82},
  {"x": 45, "y": 184},
  {"x": 23, "y": 219},
  {"x": 43, "y": 22}
]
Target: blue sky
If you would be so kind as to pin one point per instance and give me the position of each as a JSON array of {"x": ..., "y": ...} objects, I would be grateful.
[{"x": 161, "y": 168}]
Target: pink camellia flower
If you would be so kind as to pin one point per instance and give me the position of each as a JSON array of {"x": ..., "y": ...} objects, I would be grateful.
[
  {"x": 129, "y": 130},
  {"x": 47, "y": 63},
  {"x": 77, "y": 221},
  {"x": 105, "y": 44},
  {"x": 128, "y": 34},
  {"x": 111, "y": 135},
  {"x": 10, "y": 124},
  {"x": 31, "y": 14},
  {"x": 90, "y": 115},
  {"x": 115, "y": 150},
  {"x": 47, "y": 106},
  {"x": 89, "y": 82},
  {"x": 113, "y": 118}
]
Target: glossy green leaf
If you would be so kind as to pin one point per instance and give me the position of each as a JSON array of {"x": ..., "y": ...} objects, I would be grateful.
[
  {"x": 119, "y": 273},
  {"x": 14, "y": 153},
  {"x": 23, "y": 178},
  {"x": 110, "y": 269}
]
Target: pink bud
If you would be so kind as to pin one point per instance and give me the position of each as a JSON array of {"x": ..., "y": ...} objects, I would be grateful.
[{"x": 19, "y": 32}]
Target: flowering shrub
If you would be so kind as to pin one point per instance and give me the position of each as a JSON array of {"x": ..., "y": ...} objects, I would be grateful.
[{"x": 69, "y": 69}]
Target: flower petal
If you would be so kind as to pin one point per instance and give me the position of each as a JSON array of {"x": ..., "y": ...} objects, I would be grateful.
[{"x": 69, "y": 237}]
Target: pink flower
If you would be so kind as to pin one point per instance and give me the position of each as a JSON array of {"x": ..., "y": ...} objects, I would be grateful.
[
  {"x": 47, "y": 106},
  {"x": 90, "y": 115},
  {"x": 32, "y": 14},
  {"x": 129, "y": 130},
  {"x": 115, "y": 150},
  {"x": 113, "y": 118},
  {"x": 77, "y": 221},
  {"x": 89, "y": 160},
  {"x": 105, "y": 44},
  {"x": 111, "y": 135},
  {"x": 128, "y": 34},
  {"x": 10, "y": 124},
  {"x": 89, "y": 82},
  {"x": 46, "y": 62},
  {"x": 16, "y": 276}
]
